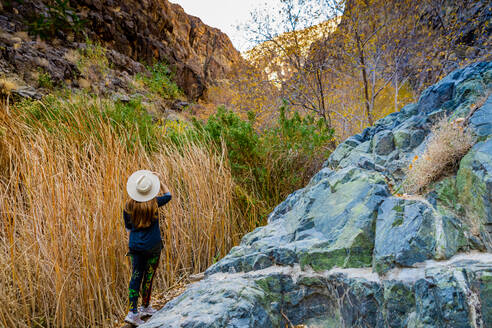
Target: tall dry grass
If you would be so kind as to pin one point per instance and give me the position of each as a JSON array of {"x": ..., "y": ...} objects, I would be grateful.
[
  {"x": 449, "y": 142},
  {"x": 62, "y": 238}
]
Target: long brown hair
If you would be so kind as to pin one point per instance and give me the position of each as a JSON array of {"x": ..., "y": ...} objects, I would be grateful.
[{"x": 142, "y": 213}]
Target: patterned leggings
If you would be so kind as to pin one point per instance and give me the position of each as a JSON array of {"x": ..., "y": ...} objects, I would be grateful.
[{"x": 144, "y": 265}]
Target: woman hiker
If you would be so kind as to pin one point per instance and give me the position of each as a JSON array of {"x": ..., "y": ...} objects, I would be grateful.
[{"x": 145, "y": 243}]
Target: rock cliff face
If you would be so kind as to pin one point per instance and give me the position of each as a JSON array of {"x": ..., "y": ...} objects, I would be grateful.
[
  {"x": 345, "y": 252},
  {"x": 150, "y": 30},
  {"x": 135, "y": 30}
]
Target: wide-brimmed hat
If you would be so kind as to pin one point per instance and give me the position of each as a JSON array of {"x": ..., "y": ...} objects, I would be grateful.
[{"x": 143, "y": 185}]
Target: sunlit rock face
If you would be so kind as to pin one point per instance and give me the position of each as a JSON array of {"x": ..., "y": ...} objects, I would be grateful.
[
  {"x": 345, "y": 252},
  {"x": 137, "y": 31},
  {"x": 160, "y": 30}
]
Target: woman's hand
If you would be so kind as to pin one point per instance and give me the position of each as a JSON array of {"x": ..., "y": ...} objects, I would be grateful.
[{"x": 164, "y": 188}]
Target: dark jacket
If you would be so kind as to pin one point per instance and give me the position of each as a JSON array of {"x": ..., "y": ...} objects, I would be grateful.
[{"x": 145, "y": 238}]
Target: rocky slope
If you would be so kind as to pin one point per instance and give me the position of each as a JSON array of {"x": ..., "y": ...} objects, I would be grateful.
[
  {"x": 134, "y": 31},
  {"x": 345, "y": 252}
]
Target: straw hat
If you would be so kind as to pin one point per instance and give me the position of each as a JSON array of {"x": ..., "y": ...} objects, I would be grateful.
[{"x": 143, "y": 185}]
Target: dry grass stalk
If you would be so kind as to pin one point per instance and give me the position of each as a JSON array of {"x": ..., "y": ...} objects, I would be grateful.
[
  {"x": 62, "y": 239},
  {"x": 450, "y": 141},
  {"x": 6, "y": 87}
]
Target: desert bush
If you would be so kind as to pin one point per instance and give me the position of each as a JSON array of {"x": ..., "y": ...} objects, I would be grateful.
[
  {"x": 159, "y": 81},
  {"x": 449, "y": 142},
  {"x": 64, "y": 164},
  {"x": 44, "y": 80},
  {"x": 268, "y": 164},
  {"x": 91, "y": 61},
  {"x": 241, "y": 140},
  {"x": 61, "y": 17},
  {"x": 296, "y": 147}
]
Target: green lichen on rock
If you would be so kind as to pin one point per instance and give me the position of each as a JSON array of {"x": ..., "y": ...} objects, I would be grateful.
[
  {"x": 411, "y": 241},
  {"x": 273, "y": 296},
  {"x": 456, "y": 224},
  {"x": 398, "y": 222},
  {"x": 320, "y": 260},
  {"x": 485, "y": 292},
  {"x": 358, "y": 254},
  {"x": 402, "y": 139},
  {"x": 474, "y": 186},
  {"x": 399, "y": 301},
  {"x": 340, "y": 153},
  {"x": 270, "y": 285},
  {"x": 447, "y": 194},
  {"x": 471, "y": 190},
  {"x": 398, "y": 215},
  {"x": 351, "y": 224},
  {"x": 331, "y": 224}
]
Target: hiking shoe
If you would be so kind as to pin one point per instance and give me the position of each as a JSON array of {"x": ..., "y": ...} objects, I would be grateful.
[
  {"x": 146, "y": 311},
  {"x": 134, "y": 319}
]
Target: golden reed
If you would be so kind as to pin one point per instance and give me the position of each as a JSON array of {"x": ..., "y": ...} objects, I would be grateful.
[{"x": 62, "y": 238}]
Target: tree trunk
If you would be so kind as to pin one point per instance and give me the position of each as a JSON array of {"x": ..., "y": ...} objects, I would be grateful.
[
  {"x": 396, "y": 92},
  {"x": 364, "y": 78},
  {"x": 326, "y": 113},
  {"x": 366, "y": 90}
]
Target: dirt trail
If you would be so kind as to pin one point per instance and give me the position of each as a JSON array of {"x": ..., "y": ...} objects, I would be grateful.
[{"x": 159, "y": 299}]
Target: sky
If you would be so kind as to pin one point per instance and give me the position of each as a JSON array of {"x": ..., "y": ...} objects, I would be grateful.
[{"x": 225, "y": 15}]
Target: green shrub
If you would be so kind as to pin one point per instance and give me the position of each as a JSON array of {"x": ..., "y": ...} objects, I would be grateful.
[
  {"x": 160, "y": 82},
  {"x": 240, "y": 138},
  {"x": 295, "y": 149},
  {"x": 45, "y": 81},
  {"x": 92, "y": 61},
  {"x": 302, "y": 133},
  {"x": 132, "y": 116},
  {"x": 61, "y": 17},
  {"x": 266, "y": 165}
]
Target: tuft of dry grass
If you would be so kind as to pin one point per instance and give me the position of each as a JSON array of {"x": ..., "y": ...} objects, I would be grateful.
[
  {"x": 6, "y": 87},
  {"x": 62, "y": 238},
  {"x": 449, "y": 142},
  {"x": 91, "y": 61}
]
